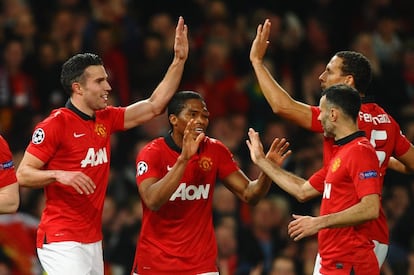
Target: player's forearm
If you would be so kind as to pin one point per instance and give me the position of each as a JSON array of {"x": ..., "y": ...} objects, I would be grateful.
[
  {"x": 35, "y": 178},
  {"x": 168, "y": 86},
  {"x": 160, "y": 192},
  {"x": 367, "y": 209},
  {"x": 287, "y": 181},
  {"x": 258, "y": 189},
  {"x": 280, "y": 100},
  {"x": 277, "y": 97}
]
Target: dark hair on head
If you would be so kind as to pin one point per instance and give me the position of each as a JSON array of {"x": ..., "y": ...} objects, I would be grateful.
[
  {"x": 357, "y": 65},
  {"x": 177, "y": 102},
  {"x": 345, "y": 97},
  {"x": 74, "y": 67}
]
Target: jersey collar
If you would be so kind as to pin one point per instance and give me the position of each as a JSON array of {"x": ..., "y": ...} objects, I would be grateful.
[
  {"x": 72, "y": 107},
  {"x": 350, "y": 138},
  {"x": 170, "y": 142}
]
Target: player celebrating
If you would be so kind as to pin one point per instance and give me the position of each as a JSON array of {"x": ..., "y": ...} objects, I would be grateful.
[
  {"x": 351, "y": 190},
  {"x": 177, "y": 234},
  {"x": 351, "y": 68},
  {"x": 69, "y": 156}
]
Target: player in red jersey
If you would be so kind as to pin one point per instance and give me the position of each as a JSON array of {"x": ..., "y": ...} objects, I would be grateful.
[
  {"x": 176, "y": 175},
  {"x": 69, "y": 156},
  {"x": 382, "y": 130},
  {"x": 350, "y": 193},
  {"x": 9, "y": 188}
]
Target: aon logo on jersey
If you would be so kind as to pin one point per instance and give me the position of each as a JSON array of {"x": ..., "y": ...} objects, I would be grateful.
[
  {"x": 191, "y": 192},
  {"x": 95, "y": 158}
]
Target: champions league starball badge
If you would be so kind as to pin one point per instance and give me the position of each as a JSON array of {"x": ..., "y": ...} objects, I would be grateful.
[
  {"x": 142, "y": 167},
  {"x": 38, "y": 136}
]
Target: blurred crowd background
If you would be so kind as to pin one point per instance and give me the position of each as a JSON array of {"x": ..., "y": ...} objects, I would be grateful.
[{"x": 135, "y": 40}]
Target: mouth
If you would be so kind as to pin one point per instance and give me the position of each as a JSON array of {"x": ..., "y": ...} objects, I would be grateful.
[{"x": 199, "y": 130}]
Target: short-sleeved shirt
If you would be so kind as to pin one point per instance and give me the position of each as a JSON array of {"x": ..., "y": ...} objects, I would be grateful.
[
  {"x": 72, "y": 141},
  {"x": 179, "y": 237},
  {"x": 7, "y": 170},
  {"x": 352, "y": 173},
  {"x": 385, "y": 135}
]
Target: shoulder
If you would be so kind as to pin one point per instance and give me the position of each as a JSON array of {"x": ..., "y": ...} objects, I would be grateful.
[
  {"x": 363, "y": 145},
  {"x": 157, "y": 144},
  {"x": 214, "y": 143}
]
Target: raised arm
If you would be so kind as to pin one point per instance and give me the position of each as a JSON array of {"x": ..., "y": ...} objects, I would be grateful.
[
  {"x": 300, "y": 188},
  {"x": 280, "y": 101},
  {"x": 147, "y": 109}
]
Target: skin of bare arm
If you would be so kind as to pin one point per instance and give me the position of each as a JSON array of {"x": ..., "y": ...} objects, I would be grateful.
[
  {"x": 251, "y": 191},
  {"x": 145, "y": 110},
  {"x": 9, "y": 198},
  {"x": 31, "y": 174},
  {"x": 404, "y": 163},
  {"x": 300, "y": 188},
  {"x": 280, "y": 101},
  {"x": 304, "y": 226}
]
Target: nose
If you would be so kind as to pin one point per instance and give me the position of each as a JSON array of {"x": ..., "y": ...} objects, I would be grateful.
[
  {"x": 107, "y": 86},
  {"x": 321, "y": 76}
]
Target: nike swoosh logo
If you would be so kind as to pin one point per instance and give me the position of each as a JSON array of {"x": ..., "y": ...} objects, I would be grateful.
[{"x": 78, "y": 135}]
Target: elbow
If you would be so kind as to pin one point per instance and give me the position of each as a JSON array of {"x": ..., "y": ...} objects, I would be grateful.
[
  {"x": 14, "y": 205},
  {"x": 373, "y": 213},
  {"x": 11, "y": 206},
  {"x": 22, "y": 179},
  {"x": 302, "y": 197},
  {"x": 158, "y": 111},
  {"x": 153, "y": 205}
]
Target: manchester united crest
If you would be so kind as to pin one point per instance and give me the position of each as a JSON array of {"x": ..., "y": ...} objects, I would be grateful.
[
  {"x": 205, "y": 163},
  {"x": 100, "y": 130},
  {"x": 335, "y": 165}
]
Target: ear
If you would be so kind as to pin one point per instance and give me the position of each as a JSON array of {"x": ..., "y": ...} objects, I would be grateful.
[
  {"x": 349, "y": 80},
  {"x": 173, "y": 119},
  {"x": 333, "y": 114},
  {"x": 76, "y": 88}
]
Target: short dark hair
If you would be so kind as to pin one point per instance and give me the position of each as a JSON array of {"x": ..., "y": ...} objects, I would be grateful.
[
  {"x": 177, "y": 102},
  {"x": 345, "y": 97},
  {"x": 357, "y": 65},
  {"x": 74, "y": 67}
]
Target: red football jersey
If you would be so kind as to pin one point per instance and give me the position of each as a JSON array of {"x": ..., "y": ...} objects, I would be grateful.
[
  {"x": 7, "y": 172},
  {"x": 385, "y": 135},
  {"x": 352, "y": 173},
  {"x": 179, "y": 238},
  {"x": 71, "y": 141}
]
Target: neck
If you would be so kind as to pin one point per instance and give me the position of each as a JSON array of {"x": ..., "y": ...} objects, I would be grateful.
[{"x": 345, "y": 131}]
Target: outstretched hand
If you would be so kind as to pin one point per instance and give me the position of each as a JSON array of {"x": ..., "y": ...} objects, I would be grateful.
[
  {"x": 279, "y": 151},
  {"x": 191, "y": 140},
  {"x": 261, "y": 42},
  {"x": 181, "y": 41},
  {"x": 255, "y": 146}
]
